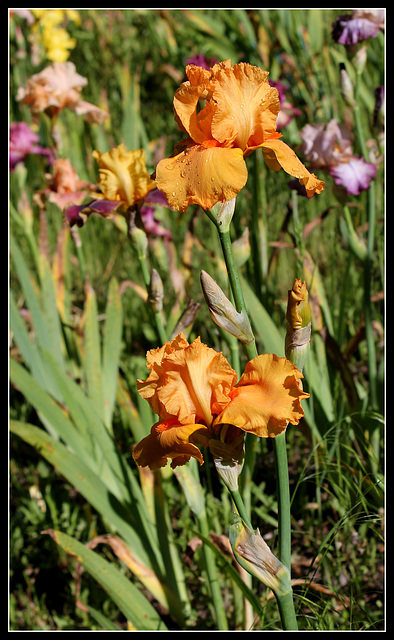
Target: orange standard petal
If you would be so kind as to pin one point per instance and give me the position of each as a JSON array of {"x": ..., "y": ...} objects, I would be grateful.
[
  {"x": 188, "y": 382},
  {"x": 246, "y": 106},
  {"x": 267, "y": 397},
  {"x": 168, "y": 440},
  {"x": 279, "y": 155}
]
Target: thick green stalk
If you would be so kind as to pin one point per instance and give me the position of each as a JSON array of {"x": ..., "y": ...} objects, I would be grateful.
[
  {"x": 279, "y": 441},
  {"x": 235, "y": 283},
  {"x": 370, "y": 247},
  {"x": 157, "y": 316},
  {"x": 287, "y": 612},
  {"x": 282, "y": 478},
  {"x": 236, "y": 496},
  {"x": 368, "y": 316},
  {"x": 80, "y": 255}
]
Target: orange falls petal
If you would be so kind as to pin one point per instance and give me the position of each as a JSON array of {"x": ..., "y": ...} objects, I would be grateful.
[{"x": 202, "y": 175}]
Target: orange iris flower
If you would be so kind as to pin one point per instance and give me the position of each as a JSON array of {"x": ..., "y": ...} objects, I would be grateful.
[
  {"x": 194, "y": 391},
  {"x": 239, "y": 117}
]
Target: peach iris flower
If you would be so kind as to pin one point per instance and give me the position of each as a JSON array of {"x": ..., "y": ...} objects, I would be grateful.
[
  {"x": 57, "y": 87},
  {"x": 194, "y": 391},
  {"x": 123, "y": 174},
  {"x": 239, "y": 117}
]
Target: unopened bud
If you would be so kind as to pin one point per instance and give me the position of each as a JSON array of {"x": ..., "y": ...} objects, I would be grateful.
[
  {"x": 298, "y": 325},
  {"x": 360, "y": 59},
  {"x": 187, "y": 318},
  {"x": 228, "y": 454},
  {"x": 223, "y": 311},
  {"x": 223, "y": 213},
  {"x": 255, "y": 556},
  {"x": 347, "y": 87},
  {"x": 156, "y": 292},
  {"x": 137, "y": 236}
]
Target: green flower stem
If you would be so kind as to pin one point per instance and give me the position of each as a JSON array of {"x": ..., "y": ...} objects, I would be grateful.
[
  {"x": 370, "y": 248},
  {"x": 157, "y": 316},
  {"x": 282, "y": 475},
  {"x": 80, "y": 255},
  {"x": 235, "y": 283},
  {"x": 236, "y": 496},
  {"x": 212, "y": 573},
  {"x": 286, "y": 607},
  {"x": 287, "y": 612},
  {"x": 367, "y": 297}
]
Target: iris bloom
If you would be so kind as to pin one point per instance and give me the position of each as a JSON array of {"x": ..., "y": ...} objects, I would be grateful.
[
  {"x": 23, "y": 142},
  {"x": 239, "y": 116},
  {"x": 54, "y": 37},
  {"x": 194, "y": 391},
  {"x": 358, "y": 26},
  {"x": 123, "y": 175},
  {"x": 330, "y": 148},
  {"x": 58, "y": 87},
  {"x": 124, "y": 183},
  {"x": 65, "y": 186}
]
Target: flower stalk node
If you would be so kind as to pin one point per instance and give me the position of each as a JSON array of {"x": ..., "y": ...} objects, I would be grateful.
[{"x": 222, "y": 213}]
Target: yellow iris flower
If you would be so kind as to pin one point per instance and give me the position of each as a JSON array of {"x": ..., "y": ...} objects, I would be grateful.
[
  {"x": 55, "y": 38},
  {"x": 123, "y": 174},
  {"x": 239, "y": 117},
  {"x": 194, "y": 391}
]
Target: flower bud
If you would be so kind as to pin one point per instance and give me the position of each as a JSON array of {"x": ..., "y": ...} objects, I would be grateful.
[
  {"x": 360, "y": 59},
  {"x": 255, "y": 556},
  {"x": 223, "y": 213},
  {"x": 347, "y": 87},
  {"x": 187, "y": 318},
  {"x": 228, "y": 454},
  {"x": 223, "y": 311},
  {"x": 156, "y": 292},
  {"x": 298, "y": 325},
  {"x": 139, "y": 240}
]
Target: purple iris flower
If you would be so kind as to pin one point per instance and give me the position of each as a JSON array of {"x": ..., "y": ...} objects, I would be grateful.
[
  {"x": 23, "y": 142},
  {"x": 355, "y": 175}
]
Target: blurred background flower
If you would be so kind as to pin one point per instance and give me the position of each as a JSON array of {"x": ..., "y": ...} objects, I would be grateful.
[
  {"x": 49, "y": 32},
  {"x": 360, "y": 25},
  {"x": 23, "y": 142},
  {"x": 330, "y": 148},
  {"x": 56, "y": 87},
  {"x": 287, "y": 110}
]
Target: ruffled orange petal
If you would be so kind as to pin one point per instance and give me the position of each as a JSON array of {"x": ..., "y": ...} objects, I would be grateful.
[
  {"x": 246, "y": 106},
  {"x": 191, "y": 383},
  {"x": 168, "y": 440},
  {"x": 201, "y": 174},
  {"x": 266, "y": 398},
  {"x": 196, "y": 125},
  {"x": 279, "y": 155}
]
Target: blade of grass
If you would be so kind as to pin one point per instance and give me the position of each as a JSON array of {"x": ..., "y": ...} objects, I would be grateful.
[
  {"x": 90, "y": 485},
  {"x": 50, "y": 311},
  {"x": 92, "y": 348},
  {"x": 131, "y": 602},
  {"x": 112, "y": 346}
]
